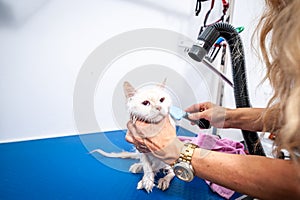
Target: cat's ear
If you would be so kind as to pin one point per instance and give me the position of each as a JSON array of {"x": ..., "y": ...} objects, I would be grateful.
[
  {"x": 128, "y": 90},
  {"x": 163, "y": 84}
]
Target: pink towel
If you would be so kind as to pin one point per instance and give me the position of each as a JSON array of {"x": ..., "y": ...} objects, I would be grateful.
[{"x": 214, "y": 143}]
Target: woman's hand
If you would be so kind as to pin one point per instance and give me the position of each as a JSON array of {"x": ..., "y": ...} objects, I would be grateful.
[
  {"x": 158, "y": 139},
  {"x": 216, "y": 115},
  {"x": 241, "y": 118}
]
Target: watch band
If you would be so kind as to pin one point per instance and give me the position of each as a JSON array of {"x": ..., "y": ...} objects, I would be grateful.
[{"x": 187, "y": 153}]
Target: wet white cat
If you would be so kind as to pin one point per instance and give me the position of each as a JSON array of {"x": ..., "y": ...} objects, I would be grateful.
[{"x": 150, "y": 105}]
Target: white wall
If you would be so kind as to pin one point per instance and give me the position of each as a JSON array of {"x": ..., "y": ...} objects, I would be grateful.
[{"x": 44, "y": 44}]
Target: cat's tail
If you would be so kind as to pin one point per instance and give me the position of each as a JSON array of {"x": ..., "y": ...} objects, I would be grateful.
[{"x": 123, "y": 154}]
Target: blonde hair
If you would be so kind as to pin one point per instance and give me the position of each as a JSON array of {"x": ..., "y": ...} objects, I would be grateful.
[{"x": 279, "y": 38}]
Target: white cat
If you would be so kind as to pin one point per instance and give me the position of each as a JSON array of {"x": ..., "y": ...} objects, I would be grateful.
[{"x": 150, "y": 105}]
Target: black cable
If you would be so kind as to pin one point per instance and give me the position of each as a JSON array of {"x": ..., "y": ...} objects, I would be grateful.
[{"x": 198, "y": 6}]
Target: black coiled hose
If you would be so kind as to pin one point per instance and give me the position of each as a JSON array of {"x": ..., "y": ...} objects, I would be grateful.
[{"x": 228, "y": 32}]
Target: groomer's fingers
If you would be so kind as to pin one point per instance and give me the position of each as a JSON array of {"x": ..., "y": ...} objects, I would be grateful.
[
  {"x": 199, "y": 115},
  {"x": 139, "y": 143},
  {"x": 133, "y": 129},
  {"x": 199, "y": 107},
  {"x": 133, "y": 137}
]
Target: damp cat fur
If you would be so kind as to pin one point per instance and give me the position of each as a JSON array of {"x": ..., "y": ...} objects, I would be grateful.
[{"x": 150, "y": 105}]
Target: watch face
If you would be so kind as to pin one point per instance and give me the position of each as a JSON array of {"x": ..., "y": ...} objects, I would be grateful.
[{"x": 183, "y": 172}]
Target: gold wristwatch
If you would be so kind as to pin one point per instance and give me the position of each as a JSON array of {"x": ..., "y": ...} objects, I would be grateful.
[{"x": 182, "y": 167}]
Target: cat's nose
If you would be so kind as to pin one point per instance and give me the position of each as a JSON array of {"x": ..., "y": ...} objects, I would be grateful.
[{"x": 158, "y": 108}]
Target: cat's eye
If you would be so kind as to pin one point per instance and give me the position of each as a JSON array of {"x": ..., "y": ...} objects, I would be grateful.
[
  {"x": 146, "y": 103},
  {"x": 162, "y": 99}
]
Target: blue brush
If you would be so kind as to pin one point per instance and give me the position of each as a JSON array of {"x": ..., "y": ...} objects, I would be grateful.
[{"x": 177, "y": 114}]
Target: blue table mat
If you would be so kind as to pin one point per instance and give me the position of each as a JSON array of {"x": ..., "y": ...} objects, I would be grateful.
[{"x": 63, "y": 168}]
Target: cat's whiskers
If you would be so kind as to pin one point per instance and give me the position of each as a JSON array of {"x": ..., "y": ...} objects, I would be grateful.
[{"x": 134, "y": 118}]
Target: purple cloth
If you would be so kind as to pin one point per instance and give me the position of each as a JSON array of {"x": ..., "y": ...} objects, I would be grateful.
[{"x": 214, "y": 143}]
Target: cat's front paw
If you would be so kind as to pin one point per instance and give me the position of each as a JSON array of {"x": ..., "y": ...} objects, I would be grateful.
[
  {"x": 146, "y": 183},
  {"x": 163, "y": 183}
]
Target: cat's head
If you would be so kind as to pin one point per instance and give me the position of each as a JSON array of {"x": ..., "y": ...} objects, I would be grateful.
[{"x": 149, "y": 104}]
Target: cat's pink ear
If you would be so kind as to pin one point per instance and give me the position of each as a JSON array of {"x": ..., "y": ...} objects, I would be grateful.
[
  {"x": 163, "y": 84},
  {"x": 128, "y": 89}
]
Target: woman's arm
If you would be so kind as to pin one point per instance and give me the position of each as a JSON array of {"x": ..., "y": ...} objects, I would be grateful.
[
  {"x": 220, "y": 117},
  {"x": 257, "y": 176},
  {"x": 245, "y": 118}
]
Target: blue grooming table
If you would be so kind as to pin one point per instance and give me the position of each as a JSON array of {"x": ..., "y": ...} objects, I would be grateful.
[{"x": 62, "y": 168}]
